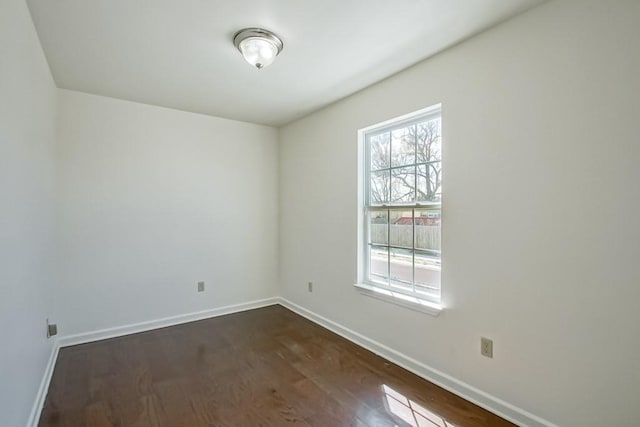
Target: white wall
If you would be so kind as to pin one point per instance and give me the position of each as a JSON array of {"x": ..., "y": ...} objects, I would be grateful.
[
  {"x": 27, "y": 135},
  {"x": 150, "y": 201},
  {"x": 540, "y": 235},
  {"x": 540, "y": 231}
]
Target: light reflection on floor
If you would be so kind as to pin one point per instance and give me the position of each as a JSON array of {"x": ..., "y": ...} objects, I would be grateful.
[{"x": 411, "y": 412}]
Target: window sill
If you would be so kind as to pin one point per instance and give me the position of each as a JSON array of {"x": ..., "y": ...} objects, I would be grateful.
[{"x": 413, "y": 303}]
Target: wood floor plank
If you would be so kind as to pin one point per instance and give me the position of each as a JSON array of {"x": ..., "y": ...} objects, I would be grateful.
[{"x": 263, "y": 367}]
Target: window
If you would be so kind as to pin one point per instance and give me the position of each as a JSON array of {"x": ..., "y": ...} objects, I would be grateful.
[{"x": 401, "y": 193}]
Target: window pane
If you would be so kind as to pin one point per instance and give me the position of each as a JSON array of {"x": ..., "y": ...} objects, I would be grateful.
[
  {"x": 427, "y": 258},
  {"x": 429, "y": 141},
  {"x": 403, "y": 146},
  {"x": 427, "y": 274},
  {"x": 379, "y": 264},
  {"x": 427, "y": 230},
  {"x": 401, "y": 228},
  {"x": 378, "y": 227},
  {"x": 403, "y": 176},
  {"x": 429, "y": 182},
  {"x": 403, "y": 183},
  {"x": 380, "y": 187},
  {"x": 401, "y": 268},
  {"x": 380, "y": 151}
]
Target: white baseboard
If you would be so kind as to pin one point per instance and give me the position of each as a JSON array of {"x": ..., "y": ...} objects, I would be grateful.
[
  {"x": 491, "y": 403},
  {"x": 103, "y": 334},
  {"x": 485, "y": 400},
  {"x": 34, "y": 417},
  {"x": 65, "y": 341}
]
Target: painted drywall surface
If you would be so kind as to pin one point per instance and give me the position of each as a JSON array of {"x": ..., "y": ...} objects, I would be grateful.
[
  {"x": 540, "y": 229},
  {"x": 27, "y": 138},
  {"x": 151, "y": 201}
]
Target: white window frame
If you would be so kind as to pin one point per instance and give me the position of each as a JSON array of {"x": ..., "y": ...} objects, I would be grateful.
[{"x": 417, "y": 301}]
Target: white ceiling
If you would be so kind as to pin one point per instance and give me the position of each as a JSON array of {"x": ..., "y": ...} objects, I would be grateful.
[{"x": 179, "y": 53}]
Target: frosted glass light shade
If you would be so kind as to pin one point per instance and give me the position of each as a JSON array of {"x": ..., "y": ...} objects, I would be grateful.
[
  {"x": 258, "y": 52},
  {"x": 258, "y": 47}
]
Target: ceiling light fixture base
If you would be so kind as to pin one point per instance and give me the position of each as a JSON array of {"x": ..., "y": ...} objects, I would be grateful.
[{"x": 258, "y": 46}]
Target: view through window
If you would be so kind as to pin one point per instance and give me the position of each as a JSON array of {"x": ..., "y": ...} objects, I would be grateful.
[{"x": 402, "y": 204}]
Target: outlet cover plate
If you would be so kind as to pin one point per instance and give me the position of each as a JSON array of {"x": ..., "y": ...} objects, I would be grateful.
[
  {"x": 486, "y": 347},
  {"x": 52, "y": 329}
]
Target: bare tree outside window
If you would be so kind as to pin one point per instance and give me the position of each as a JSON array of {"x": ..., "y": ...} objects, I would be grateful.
[
  {"x": 406, "y": 164},
  {"x": 404, "y": 180}
]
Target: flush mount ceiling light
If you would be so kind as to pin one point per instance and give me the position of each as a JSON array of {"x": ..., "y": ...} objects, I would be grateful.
[{"x": 259, "y": 47}]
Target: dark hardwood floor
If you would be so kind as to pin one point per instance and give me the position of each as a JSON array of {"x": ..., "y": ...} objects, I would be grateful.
[{"x": 264, "y": 367}]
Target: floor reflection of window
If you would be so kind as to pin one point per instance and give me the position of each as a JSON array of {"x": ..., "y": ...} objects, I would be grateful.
[{"x": 411, "y": 412}]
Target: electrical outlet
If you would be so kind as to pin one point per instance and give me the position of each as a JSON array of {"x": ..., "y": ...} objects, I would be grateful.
[
  {"x": 52, "y": 329},
  {"x": 310, "y": 286},
  {"x": 200, "y": 286},
  {"x": 486, "y": 347}
]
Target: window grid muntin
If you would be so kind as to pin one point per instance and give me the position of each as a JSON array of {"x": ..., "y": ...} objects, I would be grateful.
[
  {"x": 430, "y": 253},
  {"x": 406, "y": 166},
  {"x": 414, "y": 122},
  {"x": 390, "y": 206}
]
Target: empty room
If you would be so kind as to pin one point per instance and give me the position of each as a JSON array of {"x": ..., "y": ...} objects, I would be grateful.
[{"x": 320, "y": 213}]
